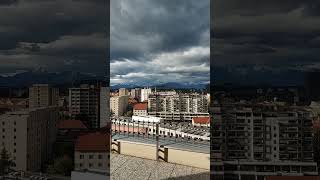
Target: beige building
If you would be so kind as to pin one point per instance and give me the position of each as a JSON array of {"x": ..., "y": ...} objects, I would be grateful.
[
  {"x": 42, "y": 95},
  {"x": 123, "y": 92},
  {"x": 28, "y": 136},
  {"x": 91, "y": 154},
  {"x": 118, "y": 105}
]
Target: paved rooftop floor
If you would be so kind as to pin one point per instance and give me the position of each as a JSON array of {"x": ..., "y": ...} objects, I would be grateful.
[{"x": 125, "y": 167}]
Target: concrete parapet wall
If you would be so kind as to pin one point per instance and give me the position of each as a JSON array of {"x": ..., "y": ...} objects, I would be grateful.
[{"x": 176, "y": 156}]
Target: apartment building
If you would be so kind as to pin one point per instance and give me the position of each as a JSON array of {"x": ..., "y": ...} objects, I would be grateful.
[
  {"x": 251, "y": 141},
  {"x": 104, "y": 106},
  {"x": 85, "y": 101},
  {"x": 118, "y": 105},
  {"x": 42, "y": 95},
  {"x": 28, "y": 135},
  {"x": 136, "y": 93},
  {"x": 177, "y": 107},
  {"x": 123, "y": 92},
  {"x": 145, "y": 92},
  {"x": 91, "y": 154}
]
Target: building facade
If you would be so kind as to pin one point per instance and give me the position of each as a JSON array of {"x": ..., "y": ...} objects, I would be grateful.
[
  {"x": 85, "y": 102},
  {"x": 42, "y": 95},
  {"x": 104, "y": 106},
  {"x": 252, "y": 141},
  {"x": 140, "y": 109},
  {"x": 145, "y": 92},
  {"x": 29, "y": 135},
  {"x": 91, "y": 154},
  {"x": 118, "y": 105},
  {"x": 177, "y": 107}
]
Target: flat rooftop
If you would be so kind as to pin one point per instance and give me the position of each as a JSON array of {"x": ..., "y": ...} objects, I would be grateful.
[
  {"x": 203, "y": 147},
  {"x": 134, "y": 168}
]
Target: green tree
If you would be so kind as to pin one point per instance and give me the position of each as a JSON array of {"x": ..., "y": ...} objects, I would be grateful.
[
  {"x": 129, "y": 114},
  {"x": 5, "y": 161},
  {"x": 63, "y": 166}
]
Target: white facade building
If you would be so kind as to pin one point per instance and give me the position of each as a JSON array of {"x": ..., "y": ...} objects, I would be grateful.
[{"x": 145, "y": 92}]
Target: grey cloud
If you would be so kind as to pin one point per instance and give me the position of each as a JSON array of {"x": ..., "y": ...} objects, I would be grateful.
[
  {"x": 52, "y": 34},
  {"x": 161, "y": 40}
]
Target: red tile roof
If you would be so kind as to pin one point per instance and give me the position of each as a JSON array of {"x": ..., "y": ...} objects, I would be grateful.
[
  {"x": 201, "y": 120},
  {"x": 93, "y": 142},
  {"x": 140, "y": 106},
  {"x": 71, "y": 124}
]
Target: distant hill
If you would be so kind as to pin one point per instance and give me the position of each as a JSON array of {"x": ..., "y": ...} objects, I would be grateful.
[
  {"x": 169, "y": 85},
  {"x": 28, "y": 78}
]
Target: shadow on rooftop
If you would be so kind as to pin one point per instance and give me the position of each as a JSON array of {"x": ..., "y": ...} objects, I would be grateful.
[{"x": 200, "y": 176}]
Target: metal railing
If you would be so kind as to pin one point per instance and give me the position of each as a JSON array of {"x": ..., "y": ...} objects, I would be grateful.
[{"x": 168, "y": 131}]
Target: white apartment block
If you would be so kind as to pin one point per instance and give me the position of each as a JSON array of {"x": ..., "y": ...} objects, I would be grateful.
[
  {"x": 178, "y": 107},
  {"x": 42, "y": 95},
  {"x": 145, "y": 92},
  {"x": 28, "y": 136},
  {"x": 85, "y": 101},
  {"x": 252, "y": 141},
  {"x": 118, "y": 105}
]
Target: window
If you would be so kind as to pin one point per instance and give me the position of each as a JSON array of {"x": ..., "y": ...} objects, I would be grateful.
[
  {"x": 90, "y": 164},
  {"x": 100, "y": 156},
  {"x": 3, "y": 130},
  {"x": 81, "y": 156},
  {"x": 90, "y": 156},
  {"x": 99, "y": 164},
  {"x": 80, "y": 165},
  {"x": 15, "y": 130}
]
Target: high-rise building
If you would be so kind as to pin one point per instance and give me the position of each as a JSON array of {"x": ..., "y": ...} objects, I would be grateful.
[
  {"x": 118, "y": 105},
  {"x": 136, "y": 93},
  {"x": 104, "y": 106},
  {"x": 123, "y": 92},
  {"x": 28, "y": 135},
  {"x": 145, "y": 92},
  {"x": 178, "y": 107},
  {"x": 42, "y": 95},
  {"x": 84, "y": 102},
  {"x": 250, "y": 141}
]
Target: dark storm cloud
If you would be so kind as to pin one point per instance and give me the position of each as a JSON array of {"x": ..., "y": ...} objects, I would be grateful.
[
  {"x": 278, "y": 34},
  {"x": 57, "y": 35},
  {"x": 159, "y": 41}
]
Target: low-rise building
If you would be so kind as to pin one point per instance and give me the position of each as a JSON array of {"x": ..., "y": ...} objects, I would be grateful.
[
  {"x": 201, "y": 121},
  {"x": 140, "y": 109},
  {"x": 92, "y": 151}
]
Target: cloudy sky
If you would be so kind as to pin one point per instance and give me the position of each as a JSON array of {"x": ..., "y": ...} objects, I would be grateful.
[
  {"x": 159, "y": 41},
  {"x": 55, "y": 35},
  {"x": 255, "y": 36}
]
